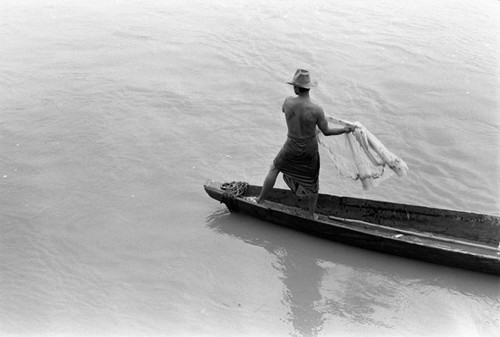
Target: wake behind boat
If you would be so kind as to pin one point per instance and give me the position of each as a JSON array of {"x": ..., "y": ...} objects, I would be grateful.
[{"x": 453, "y": 238}]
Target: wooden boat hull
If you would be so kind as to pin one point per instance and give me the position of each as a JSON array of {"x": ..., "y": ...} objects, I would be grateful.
[{"x": 457, "y": 239}]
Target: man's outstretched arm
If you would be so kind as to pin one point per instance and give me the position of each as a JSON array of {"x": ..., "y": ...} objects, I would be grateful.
[{"x": 326, "y": 129}]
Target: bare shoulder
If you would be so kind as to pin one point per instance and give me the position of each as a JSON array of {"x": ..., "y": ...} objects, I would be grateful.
[
  {"x": 289, "y": 100},
  {"x": 287, "y": 103},
  {"x": 318, "y": 109}
]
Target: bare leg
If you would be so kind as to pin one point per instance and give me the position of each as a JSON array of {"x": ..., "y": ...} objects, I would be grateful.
[
  {"x": 312, "y": 201},
  {"x": 268, "y": 183}
]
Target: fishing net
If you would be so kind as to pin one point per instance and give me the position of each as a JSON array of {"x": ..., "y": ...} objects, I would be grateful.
[
  {"x": 360, "y": 155},
  {"x": 232, "y": 190}
]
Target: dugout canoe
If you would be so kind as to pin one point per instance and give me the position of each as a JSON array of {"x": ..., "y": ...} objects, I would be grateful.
[{"x": 448, "y": 237}]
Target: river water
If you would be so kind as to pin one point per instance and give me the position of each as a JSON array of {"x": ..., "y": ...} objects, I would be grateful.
[{"x": 114, "y": 113}]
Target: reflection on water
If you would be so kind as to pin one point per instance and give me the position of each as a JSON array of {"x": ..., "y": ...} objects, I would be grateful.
[
  {"x": 302, "y": 280},
  {"x": 326, "y": 283},
  {"x": 301, "y": 275}
]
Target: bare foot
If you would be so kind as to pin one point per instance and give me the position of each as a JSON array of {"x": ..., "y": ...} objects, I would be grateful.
[{"x": 252, "y": 199}]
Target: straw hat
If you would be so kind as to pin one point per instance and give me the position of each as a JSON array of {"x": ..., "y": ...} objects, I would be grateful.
[{"x": 302, "y": 79}]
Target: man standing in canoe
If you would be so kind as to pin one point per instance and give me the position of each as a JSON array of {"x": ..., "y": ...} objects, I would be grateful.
[{"x": 298, "y": 159}]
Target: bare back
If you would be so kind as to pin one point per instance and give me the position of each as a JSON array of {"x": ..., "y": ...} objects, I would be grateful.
[{"x": 302, "y": 116}]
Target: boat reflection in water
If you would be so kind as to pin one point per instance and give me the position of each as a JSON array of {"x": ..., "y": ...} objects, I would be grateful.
[{"x": 328, "y": 286}]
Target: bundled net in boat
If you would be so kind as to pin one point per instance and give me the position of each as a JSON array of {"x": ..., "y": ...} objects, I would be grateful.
[
  {"x": 232, "y": 190},
  {"x": 360, "y": 155}
]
